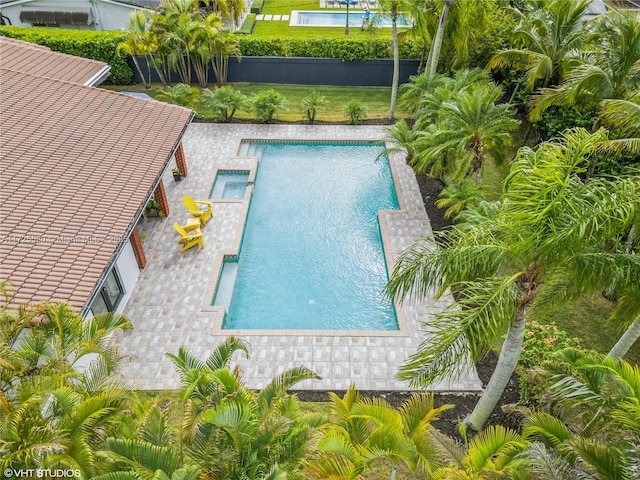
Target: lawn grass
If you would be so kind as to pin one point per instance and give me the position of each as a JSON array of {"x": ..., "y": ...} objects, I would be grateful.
[{"x": 375, "y": 99}]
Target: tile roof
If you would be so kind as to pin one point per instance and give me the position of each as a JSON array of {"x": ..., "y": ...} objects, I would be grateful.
[
  {"x": 77, "y": 164},
  {"x": 39, "y": 60}
]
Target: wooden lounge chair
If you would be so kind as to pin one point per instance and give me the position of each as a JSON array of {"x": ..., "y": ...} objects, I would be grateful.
[
  {"x": 190, "y": 238},
  {"x": 200, "y": 209}
]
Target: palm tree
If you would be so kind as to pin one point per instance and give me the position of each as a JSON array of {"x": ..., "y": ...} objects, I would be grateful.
[
  {"x": 366, "y": 430},
  {"x": 465, "y": 21},
  {"x": 231, "y": 431},
  {"x": 203, "y": 50},
  {"x": 544, "y": 243},
  {"x": 624, "y": 115},
  {"x": 224, "y": 46},
  {"x": 458, "y": 196},
  {"x": 53, "y": 412},
  {"x": 468, "y": 127},
  {"x": 548, "y": 33},
  {"x": 136, "y": 44},
  {"x": 180, "y": 94},
  {"x": 224, "y": 101},
  {"x": 311, "y": 104},
  {"x": 393, "y": 8},
  {"x": 611, "y": 71}
]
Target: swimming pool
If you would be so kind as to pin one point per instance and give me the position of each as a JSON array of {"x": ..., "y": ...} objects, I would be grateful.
[
  {"x": 229, "y": 184},
  {"x": 315, "y": 18},
  {"x": 311, "y": 256}
]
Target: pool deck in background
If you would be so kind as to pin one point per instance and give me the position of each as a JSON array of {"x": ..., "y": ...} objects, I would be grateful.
[{"x": 169, "y": 306}]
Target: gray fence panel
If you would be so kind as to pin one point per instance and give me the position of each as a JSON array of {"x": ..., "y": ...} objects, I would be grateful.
[{"x": 308, "y": 71}]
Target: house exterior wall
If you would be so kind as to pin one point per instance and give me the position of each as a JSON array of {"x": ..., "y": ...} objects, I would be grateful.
[
  {"x": 105, "y": 15},
  {"x": 126, "y": 267},
  {"x": 128, "y": 271}
]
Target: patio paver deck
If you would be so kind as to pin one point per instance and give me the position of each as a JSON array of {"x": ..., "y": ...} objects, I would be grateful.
[{"x": 168, "y": 307}]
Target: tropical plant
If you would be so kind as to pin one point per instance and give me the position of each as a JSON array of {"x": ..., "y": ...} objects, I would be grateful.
[
  {"x": 311, "y": 104},
  {"x": 545, "y": 242},
  {"x": 180, "y": 94},
  {"x": 266, "y": 103},
  {"x": 223, "y": 46},
  {"x": 548, "y": 33},
  {"x": 624, "y": 115},
  {"x": 58, "y": 397},
  {"x": 458, "y": 196},
  {"x": 587, "y": 425},
  {"x": 355, "y": 111},
  {"x": 393, "y": 8},
  {"x": 365, "y": 430},
  {"x": 610, "y": 71},
  {"x": 468, "y": 127},
  {"x": 223, "y": 101},
  {"x": 492, "y": 453},
  {"x": 230, "y": 431},
  {"x": 136, "y": 43},
  {"x": 401, "y": 138},
  {"x": 465, "y": 22}
]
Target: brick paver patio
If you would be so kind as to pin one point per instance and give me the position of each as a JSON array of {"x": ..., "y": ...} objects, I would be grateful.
[{"x": 170, "y": 306}]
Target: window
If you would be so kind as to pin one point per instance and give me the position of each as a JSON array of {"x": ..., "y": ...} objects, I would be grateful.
[{"x": 109, "y": 295}]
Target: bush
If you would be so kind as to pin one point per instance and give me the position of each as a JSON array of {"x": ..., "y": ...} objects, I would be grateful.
[
  {"x": 223, "y": 102},
  {"x": 556, "y": 120},
  {"x": 265, "y": 104},
  {"x": 257, "y": 6},
  {"x": 181, "y": 94},
  {"x": 355, "y": 112},
  {"x": 540, "y": 344},
  {"x": 248, "y": 25},
  {"x": 97, "y": 45},
  {"x": 348, "y": 50}
]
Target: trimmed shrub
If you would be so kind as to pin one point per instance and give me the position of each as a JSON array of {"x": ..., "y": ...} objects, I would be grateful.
[
  {"x": 257, "y": 6},
  {"x": 248, "y": 25},
  {"x": 94, "y": 44},
  {"x": 348, "y": 50}
]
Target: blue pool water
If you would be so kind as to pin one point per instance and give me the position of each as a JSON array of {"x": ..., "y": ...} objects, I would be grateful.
[
  {"x": 229, "y": 184},
  {"x": 311, "y": 254},
  {"x": 313, "y": 18}
]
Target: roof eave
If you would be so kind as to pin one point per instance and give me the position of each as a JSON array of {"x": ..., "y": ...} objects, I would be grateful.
[
  {"x": 136, "y": 219},
  {"x": 99, "y": 77}
]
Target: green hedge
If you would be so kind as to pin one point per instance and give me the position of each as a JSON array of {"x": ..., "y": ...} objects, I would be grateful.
[
  {"x": 257, "y": 6},
  {"x": 97, "y": 45},
  {"x": 248, "y": 25},
  {"x": 348, "y": 50}
]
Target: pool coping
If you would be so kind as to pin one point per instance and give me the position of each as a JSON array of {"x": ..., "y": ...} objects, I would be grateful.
[{"x": 234, "y": 252}]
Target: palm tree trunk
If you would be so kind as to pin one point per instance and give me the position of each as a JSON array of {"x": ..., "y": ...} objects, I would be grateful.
[
  {"x": 393, "y": 473},
  {"x": 396, "y": 65},
  {"x": 437, "y": 42},
  {"x": 631, "y": 239},
  {"x": 507, "y": 361},
  {"x": 346, "y": 26},
  {"x": 626, "y": 341}
]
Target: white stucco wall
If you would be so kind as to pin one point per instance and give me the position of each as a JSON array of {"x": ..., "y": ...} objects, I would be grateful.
[
  {"x": 107, "y": 15},
  {"x": 128, "y": 271}
]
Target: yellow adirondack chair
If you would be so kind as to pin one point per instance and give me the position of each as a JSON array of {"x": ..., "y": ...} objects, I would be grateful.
[
  {"x": 200, "y": 209},
  {"x": 190, "y": 238}
]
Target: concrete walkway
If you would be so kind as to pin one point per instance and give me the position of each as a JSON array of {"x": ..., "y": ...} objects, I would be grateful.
[{"x": 171, "y": 304}]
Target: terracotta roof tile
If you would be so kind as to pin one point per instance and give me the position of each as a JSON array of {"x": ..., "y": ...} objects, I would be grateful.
[{"x": 76, "y": 161}]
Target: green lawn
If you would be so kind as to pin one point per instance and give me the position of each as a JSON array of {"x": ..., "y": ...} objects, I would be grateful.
[{"x": 375, "y": 99}]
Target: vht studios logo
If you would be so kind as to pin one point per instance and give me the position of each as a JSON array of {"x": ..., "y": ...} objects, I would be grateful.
[{"x": 41, "y": 473}]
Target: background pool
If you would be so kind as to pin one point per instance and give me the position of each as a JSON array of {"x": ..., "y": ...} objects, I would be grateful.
[
  {"x": 311, "y": 254},
  {"x": 313, "y": 18}
]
